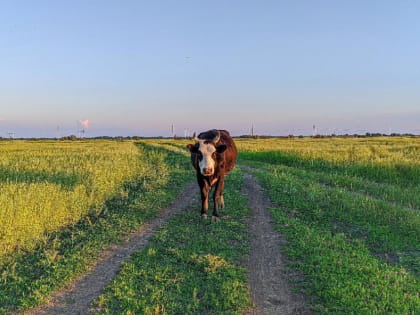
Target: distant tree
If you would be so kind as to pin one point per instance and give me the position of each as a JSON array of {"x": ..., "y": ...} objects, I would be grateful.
[{"x": 70, "y": 137}]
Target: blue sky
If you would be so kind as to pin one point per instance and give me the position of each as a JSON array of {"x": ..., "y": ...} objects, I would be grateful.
[{"x": 137, "y": 67}]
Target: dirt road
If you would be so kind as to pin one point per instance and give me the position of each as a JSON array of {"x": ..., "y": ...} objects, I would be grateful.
[{"x": 268, "y": 274}]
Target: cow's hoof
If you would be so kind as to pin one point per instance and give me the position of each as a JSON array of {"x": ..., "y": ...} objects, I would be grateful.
[
  {"x": 204, "y": 216},
  {"x": 214, "y": 219}
]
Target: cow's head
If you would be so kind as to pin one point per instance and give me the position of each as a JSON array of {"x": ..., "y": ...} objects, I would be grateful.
[{"x": 207, "y": 152}]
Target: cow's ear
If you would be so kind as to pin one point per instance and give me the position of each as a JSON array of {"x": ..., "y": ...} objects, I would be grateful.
[
  {"x": 193, "y": 148},
  {"x": 221, "y": 148}
]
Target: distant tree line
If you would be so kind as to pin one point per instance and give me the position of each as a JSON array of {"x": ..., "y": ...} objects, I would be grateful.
[
  {"x": 73, "y": 137},
  {"x": 366, "y": 135}
]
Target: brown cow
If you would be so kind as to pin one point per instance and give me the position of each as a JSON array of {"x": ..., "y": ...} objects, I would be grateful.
[{"x": 213, "y": 156}]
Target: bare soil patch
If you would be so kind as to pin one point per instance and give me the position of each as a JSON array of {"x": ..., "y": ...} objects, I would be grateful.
[
  {"x": 269, "y": 277},
  {"x": 77, "y": 297}
]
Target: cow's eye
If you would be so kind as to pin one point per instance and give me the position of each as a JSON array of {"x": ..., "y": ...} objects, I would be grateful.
[{"x": 200, "y": 155}]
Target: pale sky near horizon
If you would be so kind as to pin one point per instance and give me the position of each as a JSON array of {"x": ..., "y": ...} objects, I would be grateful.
[{"x": 137, "y": 67}]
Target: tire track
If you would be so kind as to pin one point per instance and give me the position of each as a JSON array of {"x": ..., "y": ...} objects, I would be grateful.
[
  {"x": 269, "y": 277},
  {"x": 77, "y": 297}
]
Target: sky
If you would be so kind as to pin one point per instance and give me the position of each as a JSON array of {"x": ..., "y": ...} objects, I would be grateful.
[{"x": 126, "y": 68}]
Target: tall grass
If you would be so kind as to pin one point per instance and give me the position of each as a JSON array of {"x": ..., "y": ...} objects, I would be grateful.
[
  {"x": 47, "y": 185},
  {"x": 394, "y": 161}
]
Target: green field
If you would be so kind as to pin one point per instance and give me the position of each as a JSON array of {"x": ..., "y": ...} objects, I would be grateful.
[
  {"x": 64, "y": 202},
  {"x": 348, "y": 208},
  {"x": 47, "y": 185},
  {"x": 350, "y": 211}
]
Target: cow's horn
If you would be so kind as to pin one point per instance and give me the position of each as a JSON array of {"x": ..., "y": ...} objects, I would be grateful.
[
  {"x": 217, "y": 137},
  {"x": 195, "y": 138}
]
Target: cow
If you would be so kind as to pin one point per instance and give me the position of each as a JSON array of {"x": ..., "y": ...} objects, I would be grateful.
[{"x": 213, "y": 156}]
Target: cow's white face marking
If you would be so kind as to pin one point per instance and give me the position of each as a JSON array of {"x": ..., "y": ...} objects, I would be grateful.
[{"x": 206, "y": 161}]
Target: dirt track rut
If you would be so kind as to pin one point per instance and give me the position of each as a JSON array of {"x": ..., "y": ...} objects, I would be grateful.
[{"x": 268, "y": 273}]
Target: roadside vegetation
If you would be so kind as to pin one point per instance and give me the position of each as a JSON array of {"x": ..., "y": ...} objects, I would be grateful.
[
  {"x": 115, "y": 187},
  {"x": 47, "y": 185},
  {"x": 349, "y": 210}
]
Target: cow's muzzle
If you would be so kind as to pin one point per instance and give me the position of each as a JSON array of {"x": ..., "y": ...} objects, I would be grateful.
[{"x": 207, "y": 171}]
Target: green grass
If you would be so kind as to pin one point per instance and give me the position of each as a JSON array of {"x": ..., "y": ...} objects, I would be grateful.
[
  {"x": 386, "y": 227},
  {"x": 356, "y": 245},
  {"x": 392, "y": 173},
  {"x": 190, "y": 266},
  {"x": 343, "y": 275},
  {"x": 400, "y": 195},
  {"x": 28, "y": 277}
]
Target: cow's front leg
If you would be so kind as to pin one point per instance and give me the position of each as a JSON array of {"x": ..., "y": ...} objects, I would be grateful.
[
  {"x": 204, "y": 190},
  {"x": 218, "y": 198}
]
